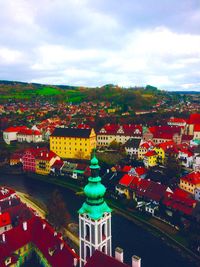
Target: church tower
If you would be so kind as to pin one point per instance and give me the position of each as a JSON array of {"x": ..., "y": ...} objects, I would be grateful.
[{"x": 94, "y": 218}]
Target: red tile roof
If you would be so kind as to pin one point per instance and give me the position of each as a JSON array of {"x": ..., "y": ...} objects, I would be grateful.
[
  {"x": 5, "y": 219},
  {"x": 43, "y": 238},
  {"x": 186, "y": 151},
  {"x": 29, "y": 132},
  {"x": 150, "y": 153},
  {"x": 166, "y": 145},
  {"x": 46, "y": 155},
  {"x": 126, "y": 168},
  {"x": 194, "y": 119},
  {"x": 125, "y": 129},
  {"x": 180, "y": 203},
  {"x": 177, "y": 120},
  {"x": 197, "y": 128},
  {"x": 193, "y": 178},
  {"x": 140, "y": 171},
  {"x": 6, "y": 192},
  {"x": 126, "y": 180},
  {"x": 15, "y": 129},
  {"x": 100, "y": 259}
]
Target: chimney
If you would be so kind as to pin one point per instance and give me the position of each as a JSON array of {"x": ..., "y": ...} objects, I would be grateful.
[
  {"x": 136, "y": 261},
  {"x": 3, "y": 238},
  {"x": 119, "y": 254},
  {"x": 61, "y": 245},
  {"x": 25, "y": 226},
  {"x": 75, "y": 261},
  {"x": 43, "y": 226}
]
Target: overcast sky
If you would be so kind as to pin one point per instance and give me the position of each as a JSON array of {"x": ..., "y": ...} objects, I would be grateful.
[{"x": 95, "y": 42}]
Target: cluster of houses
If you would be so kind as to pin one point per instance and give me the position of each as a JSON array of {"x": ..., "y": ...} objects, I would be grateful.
[
  {"x": 150, "y": 194},
  {"x": 153, "y": 145},
  {"x": 24, "y": 234}
]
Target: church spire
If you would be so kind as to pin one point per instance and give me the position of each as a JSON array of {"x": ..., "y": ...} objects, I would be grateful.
[{"x": 95, "y": 205}]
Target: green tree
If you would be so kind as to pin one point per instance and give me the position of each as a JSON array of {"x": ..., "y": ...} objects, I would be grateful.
[
  {"x": 173, "y": 168},
  {"x": 57, "y": 213}
]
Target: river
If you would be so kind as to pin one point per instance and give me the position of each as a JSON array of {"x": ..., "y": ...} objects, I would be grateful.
[{"x": 132, "y": 238}]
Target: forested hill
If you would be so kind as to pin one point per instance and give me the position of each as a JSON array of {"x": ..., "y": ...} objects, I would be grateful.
[{"x": 137, "y": 97}]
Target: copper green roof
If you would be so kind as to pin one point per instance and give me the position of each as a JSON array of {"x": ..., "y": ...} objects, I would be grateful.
[{"x": 95, "y": 205}]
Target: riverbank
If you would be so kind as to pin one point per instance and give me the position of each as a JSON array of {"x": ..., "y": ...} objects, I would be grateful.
[{"x": 41, "y": 211}]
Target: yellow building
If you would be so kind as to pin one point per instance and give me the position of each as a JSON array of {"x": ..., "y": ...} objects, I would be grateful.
[
  {"x": 190, "y": 182},
  {"x": 44, "y": 161},
  {"x": 144, "y": 148},
  {"x": 161, "y": 150},
  {"x": 73, "y": 142},
  {"x": 150, "y": 159}
]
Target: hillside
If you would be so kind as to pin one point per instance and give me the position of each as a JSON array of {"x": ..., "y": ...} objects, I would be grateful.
[{"x": 136, "y": 97}]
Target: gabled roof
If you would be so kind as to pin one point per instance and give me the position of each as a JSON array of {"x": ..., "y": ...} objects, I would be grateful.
[
  {"x": 150, "y": 153},
  {"x": 155, "y": 191},
  {"x": 166, "y": 145},
  {"x": 126, "y": 180},
  {"x": 126, "y": 168},
  {"x": 15, "y": 129},
  {"x": 140, "y": 170},
  {"x": 46, "y": 155},
  {"x": 29, "y": 132},
  {"x": 43, "y": 238},
  {"x": 193, "y": 178},
  {"x": 180, "y": 203},
  {"x": 186, "y": 151},
  {"x": 71, "y": 132},
  {"x": 125, "y": 129},
  {"x": 6, "y": 192},
  {"x": 100, "y": 259}
]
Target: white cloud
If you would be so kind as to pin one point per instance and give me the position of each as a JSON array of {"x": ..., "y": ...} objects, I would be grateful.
[{"x": 10, "y": 56}]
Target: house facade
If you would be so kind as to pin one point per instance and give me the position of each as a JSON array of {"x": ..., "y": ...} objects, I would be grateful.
[{"x": 73, "y": 142}]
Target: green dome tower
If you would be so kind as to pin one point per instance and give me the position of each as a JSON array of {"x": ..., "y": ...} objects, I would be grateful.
[{"x": 94, "y": 217}]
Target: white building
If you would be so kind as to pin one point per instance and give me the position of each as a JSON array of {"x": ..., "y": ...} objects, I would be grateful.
[{"x": 10, "y": 134}]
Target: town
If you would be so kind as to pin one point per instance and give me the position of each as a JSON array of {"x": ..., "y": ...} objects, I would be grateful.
[{"x": 149, "y": 163}]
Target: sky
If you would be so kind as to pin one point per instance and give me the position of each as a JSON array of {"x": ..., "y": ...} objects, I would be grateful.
[{"x": 98, "y": 42}]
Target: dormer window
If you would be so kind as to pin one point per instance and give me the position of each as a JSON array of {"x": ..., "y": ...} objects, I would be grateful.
[
  {"x": 51, "y": 251},
  {"x": 8, "y": 261}
]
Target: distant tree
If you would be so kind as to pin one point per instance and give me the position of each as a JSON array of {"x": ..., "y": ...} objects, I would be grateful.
[
  {"x": 114, "y": 145},
  {"x": 57, "y": 213},
  {"x": 173, "y": 168}
]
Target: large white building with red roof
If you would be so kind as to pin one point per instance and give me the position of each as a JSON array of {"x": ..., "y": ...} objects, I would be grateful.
[
  {"x": 10, "y": 134},
  {"x": 119, "y": 133}
]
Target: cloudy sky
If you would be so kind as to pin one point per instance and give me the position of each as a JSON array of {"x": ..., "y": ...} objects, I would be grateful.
[{"x": 95, "y": 42}]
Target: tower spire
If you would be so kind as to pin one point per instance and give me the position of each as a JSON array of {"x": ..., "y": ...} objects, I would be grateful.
[
  {"x": 94, "y": 217},
  {"x": 95, "y": 205}
]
